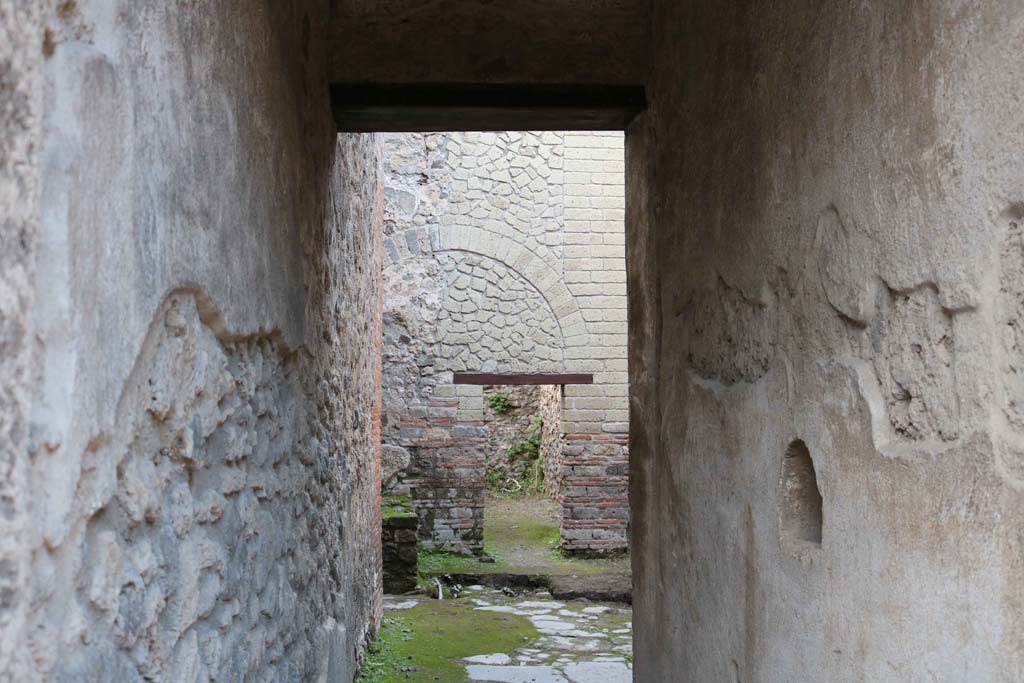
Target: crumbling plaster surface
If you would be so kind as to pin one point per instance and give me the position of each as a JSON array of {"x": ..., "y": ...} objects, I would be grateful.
[
  {"x": 206, "y": 318},
  {"x": 823, "y": 230}
]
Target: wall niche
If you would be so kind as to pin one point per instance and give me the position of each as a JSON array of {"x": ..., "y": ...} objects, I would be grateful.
[{"x": 800, "y": 501}]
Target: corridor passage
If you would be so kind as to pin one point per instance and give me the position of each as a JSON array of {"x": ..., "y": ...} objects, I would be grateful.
[{"x": 304, "y": 304}]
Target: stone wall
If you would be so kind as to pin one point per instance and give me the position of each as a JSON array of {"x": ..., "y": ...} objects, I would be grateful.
[
  {"x": 201, "y": 453},
  {"x": 505, "y": 253},
  {"x": 551, "y": 438},
  {"x": 506, "y": 429},
  {"x": 825, "y": 270},
  {"x": 594, "y": 478},
  {"x": 20, "y": 122}
]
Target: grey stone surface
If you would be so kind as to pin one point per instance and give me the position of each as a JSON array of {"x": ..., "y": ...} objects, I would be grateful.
[
  {"x": 20, "y": 123},
  {"x": 506, "y": 429},
  {"x": 200, "y": 457},
  {"x": 824, "y": 210},
  {"x": 394, "y": 461},
  {"x": 598, "y": 672},
  {"x": 524, "y": 673},
  {"x": 575, "y": 642},
  {"x": 500, "y": 658}
]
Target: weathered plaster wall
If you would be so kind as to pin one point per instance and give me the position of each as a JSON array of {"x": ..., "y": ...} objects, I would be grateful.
[
  {"x": 823, "y": 227},
  {"x": 206, "y": 315},
  {"x": 20, "y": 89},
  {"x": 505, "y": 253}
]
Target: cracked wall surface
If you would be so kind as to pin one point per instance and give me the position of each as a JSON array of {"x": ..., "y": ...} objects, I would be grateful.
[
  {"x": 201, "y": 449},
  {"x": 824, "y": 246}
]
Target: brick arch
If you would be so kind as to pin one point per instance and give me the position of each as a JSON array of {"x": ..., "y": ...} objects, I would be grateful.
[{"x": 527, "y": 264}]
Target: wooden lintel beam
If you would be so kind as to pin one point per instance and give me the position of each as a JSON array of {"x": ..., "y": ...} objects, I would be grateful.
[
  {"x": 489, "y": 41},
  {"x": 438, "y": 107},
  {"x": 487, "y": 378}
]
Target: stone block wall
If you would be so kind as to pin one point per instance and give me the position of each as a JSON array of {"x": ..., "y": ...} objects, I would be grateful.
[
  {"x": 594, "y": 479},
  {"x": 448, "y": 488},
  {"x": 505, "y": 253},
  {"x": 200, "y": 456}
]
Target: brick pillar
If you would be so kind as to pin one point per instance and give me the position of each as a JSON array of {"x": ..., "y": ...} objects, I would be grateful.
[
  {"x": 595, "y": 493},
  {"x": 449, "y": 494}
]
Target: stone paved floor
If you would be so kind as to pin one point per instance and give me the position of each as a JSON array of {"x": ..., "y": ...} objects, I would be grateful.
[{"x": 574, "y": 642}]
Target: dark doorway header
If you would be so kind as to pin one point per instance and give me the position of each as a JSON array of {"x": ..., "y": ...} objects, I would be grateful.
[
  {"x": 521, "y": 378},
  {"x": 424, "y": 107}
]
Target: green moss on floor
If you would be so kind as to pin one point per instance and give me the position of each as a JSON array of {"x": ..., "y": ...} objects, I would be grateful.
[
  {"x": 435, "y": 562},
  {"x": 428, "y": 642},
  {"x": 510, "y": 528}
]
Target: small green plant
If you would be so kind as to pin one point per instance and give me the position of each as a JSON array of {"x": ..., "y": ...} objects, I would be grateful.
[
  {"x": 531, "y": 469},
  {"x": 500, "y": 403},
  {"x": 494, "y": 478},
  {"x": 530, "y": 448},
  {"x": 532, "y": 475},
  {"x": 524, "y": 473}
]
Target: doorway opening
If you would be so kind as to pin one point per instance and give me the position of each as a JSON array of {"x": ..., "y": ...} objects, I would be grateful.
[{"x": 505, "y": 417}]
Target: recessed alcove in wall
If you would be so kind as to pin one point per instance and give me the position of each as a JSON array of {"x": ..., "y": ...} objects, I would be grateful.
[{"x": 800, "y": 501}]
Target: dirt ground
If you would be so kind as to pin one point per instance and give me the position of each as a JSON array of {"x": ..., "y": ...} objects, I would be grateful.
[{"x": 521, "y": 536}]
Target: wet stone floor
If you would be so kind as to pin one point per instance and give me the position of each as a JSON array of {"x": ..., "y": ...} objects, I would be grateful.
[{"x": 485, "y": 634}]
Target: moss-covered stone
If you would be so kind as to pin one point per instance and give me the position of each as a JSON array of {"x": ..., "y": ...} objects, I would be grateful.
[{"x": 393, "y": 506}]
